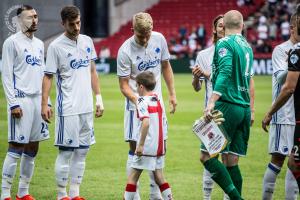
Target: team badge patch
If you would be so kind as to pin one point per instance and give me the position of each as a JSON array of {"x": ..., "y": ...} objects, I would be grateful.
[
  {"x": 294, "y": 58},
  {"x": 222, "y": 52}
]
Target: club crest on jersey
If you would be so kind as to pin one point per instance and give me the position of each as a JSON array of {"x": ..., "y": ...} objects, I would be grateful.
[
  {"x": 294, "y": 58},
  {"x": 157, "y": 50},
  {"x": 76, "y": 64},
  {"x": 222, "y": 52},
  {"x": 143, "y": 66},
  {"x": 88, "y": 49},
  {"x": 33, "y": 60}
]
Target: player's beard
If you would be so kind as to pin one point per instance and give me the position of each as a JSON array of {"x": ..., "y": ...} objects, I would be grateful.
[{"x": 32, "y": 28}]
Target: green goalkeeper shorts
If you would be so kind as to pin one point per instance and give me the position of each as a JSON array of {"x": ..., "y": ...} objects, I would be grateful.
[{"x": 236, "y": 126}]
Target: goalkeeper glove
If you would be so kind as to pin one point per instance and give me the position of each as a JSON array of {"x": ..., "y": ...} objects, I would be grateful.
[{"x": 217, "y": 117}]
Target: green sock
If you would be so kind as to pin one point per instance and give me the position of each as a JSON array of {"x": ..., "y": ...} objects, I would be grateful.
[
  {"x": 236, "y": 177},
  {"x": 221, "y": 176}
]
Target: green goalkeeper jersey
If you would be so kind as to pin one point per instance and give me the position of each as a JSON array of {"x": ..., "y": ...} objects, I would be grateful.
[{"x": 231, "y": 70}]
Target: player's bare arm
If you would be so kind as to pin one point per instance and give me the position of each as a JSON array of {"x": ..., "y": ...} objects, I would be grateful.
[
  {"x": 252, "y": 99},
  {"x": 96, "y": 90},
  {"x": 46, "y": 87},
  {"x": 285, "y": 93},
  {"x": 144, "y": 130},
  {"x": 126, "y": 90},
  {"x": 169, "y": 79}
]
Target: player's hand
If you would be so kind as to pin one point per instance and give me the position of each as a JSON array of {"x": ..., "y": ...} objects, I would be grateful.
[
  {"x": 266, "y": 121},
  {"x": 46, "y": 113},
  {"x": 208, "y": 112},
  {"x": 172, "y": 103},
  {"x": 99, "y": 111},
  {"x": 139, "y": 150},
  {"x": 197, "y": 71},
  {"x": 16, "y": 112},
  {"x": 217, "y": 117},
  {"x": 252, "y": 118}
]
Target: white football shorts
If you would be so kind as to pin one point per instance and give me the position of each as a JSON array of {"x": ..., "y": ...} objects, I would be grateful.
[
  {"x": 131, "y": 125},
  {"x": 148, "y": 163},
  {"x": 74, "y": 130},
  {"x": 281, "y": 138},
  {"x": 30, "y": 127}
]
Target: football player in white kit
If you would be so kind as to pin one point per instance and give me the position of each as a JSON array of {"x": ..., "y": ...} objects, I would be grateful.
[
  {"x": 71, "y": 57},
  {"x": 282, "y": 124},
  {"x": 22, "y": 74},
  {"x": 151, "y": 149},
  {"x": 145, "y": 50},
  {"x": 201, "y": 72}
]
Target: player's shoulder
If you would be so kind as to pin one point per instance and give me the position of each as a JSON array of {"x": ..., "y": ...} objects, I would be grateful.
[
  {"x": 126, "y": 46},
  {"x": 283, "y": 47},
  {"x": 85, "y": 37},
  {"x": 38, "y": 41},
  {"x": 11, "y": 39},
  {"x": 157, "y": 35},
  {"x": 57, "y": 41}
]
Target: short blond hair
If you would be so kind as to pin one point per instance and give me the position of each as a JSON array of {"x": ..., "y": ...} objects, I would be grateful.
[{"x": 142, "y": 22}]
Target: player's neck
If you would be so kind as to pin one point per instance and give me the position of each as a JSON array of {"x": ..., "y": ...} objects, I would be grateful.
[
  {"x": 293, "y": 40},
  {"x": 147, "y": 93},
  {"x": 28, "y": 34},
  {"x": 74, "y": 38},
  {"x": 232, "y": 32}
]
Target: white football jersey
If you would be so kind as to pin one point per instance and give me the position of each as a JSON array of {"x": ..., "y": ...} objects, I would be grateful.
[
  {"x": 204, "y": 60},
  {"x": 22, "y": 67},
  {"x": 286, "y": 114},
  {"x": 133, "y": 59},
  {"x": 71, "y": 62},
  {"x": 150, "y": 107}
]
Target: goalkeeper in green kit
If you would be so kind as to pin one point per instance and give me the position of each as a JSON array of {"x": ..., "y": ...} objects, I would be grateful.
[{"x": 231, "y": 74}]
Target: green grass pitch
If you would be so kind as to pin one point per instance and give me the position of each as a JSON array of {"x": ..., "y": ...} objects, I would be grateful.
[{"x": 105, "y": 176}]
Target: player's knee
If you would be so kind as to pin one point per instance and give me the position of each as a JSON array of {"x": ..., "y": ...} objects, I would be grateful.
[
  {"x": 277, "y": 159},
  {"x": 81, "y": 151}
]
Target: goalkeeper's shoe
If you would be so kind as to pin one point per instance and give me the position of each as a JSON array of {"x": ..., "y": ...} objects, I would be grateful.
[
  {"x": 26, "y": 197},
  {"x": 78, "y": 198}
]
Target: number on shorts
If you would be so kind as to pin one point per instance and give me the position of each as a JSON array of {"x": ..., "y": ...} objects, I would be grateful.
[{"x": 44, "y": 127}]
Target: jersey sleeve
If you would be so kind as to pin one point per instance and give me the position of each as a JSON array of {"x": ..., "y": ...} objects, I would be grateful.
[
  {"x": 293, "y": 60},
  {"x": 279, "y": 61},
  {"x": 165, "y": 55},
  {"x": 51, "y": 61},
  {"x": 142, "y": 108},
  {"x": 224, "y": 62},
  {"x": 123, "y": 64},
  {"x": 200, "y": 62},
  {"x": 93, "y": 51},
  {"x": 8, "y": 80}
]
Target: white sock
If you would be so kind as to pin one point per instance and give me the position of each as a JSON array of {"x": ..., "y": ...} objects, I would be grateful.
[
  {"x": 130, "y": 192},
  {"x": 207, "y": 185},
  {"x": 77, "y": 170},
  {"x": 26, "y": 172},
  {"x": 128, "y": 170},
  {"x": 166, "y": 191},
  {"x": 291, "y": 187},
  {"x": 62, "y": 167},
  {"x": 154, "y": 189},
  {"x": 269, "y": 181},
  {"x": 8, "y": 173}
]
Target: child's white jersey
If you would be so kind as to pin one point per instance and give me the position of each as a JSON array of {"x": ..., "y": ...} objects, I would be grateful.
[
  {"x": 204, "y": 61},
  {"x": 133, "y": 59},
  {"x": 71, "y": 62},
  {"x": 22, "y": 67},
  {"x": 150, "y": 107},
  {"x": 286, "y": 114}
]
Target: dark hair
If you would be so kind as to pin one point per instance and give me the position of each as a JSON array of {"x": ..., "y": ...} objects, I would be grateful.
[
  {"x": 22, "y": 8},
  {"x": 69, "y": 13},
  {"x": 215, "y": 24},
  {"x": 146, "y": 79}
]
